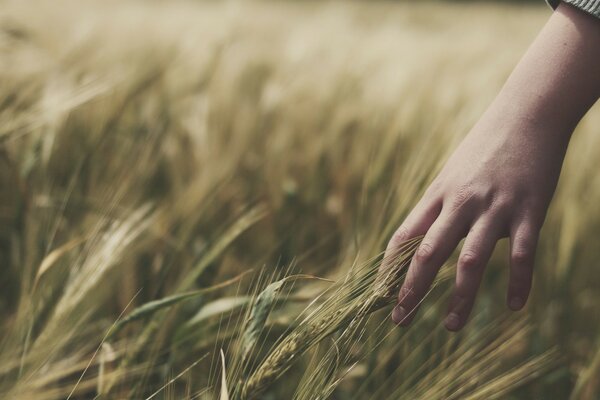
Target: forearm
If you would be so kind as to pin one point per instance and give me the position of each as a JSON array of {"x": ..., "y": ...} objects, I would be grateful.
[{"x": 558, "y": 79}]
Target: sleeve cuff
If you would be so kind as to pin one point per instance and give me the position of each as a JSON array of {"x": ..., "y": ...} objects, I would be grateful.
[{"x": 589, "y": 6}]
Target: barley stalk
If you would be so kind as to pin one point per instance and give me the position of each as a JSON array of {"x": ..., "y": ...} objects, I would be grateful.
[{"x": 366, "y": 300}]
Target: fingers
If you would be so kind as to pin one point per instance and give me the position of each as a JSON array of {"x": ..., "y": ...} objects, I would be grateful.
[
  {"x": 443, "y": 229},
  {"x": 523, "y": 242},
  {"x": 417, "y": 223},
  {"x": 475, "y": 253},
  {"x": 474, "y": 256},
  {"x": 437, "y": 245}
]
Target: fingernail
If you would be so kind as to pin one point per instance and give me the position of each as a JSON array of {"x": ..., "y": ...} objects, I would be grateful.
[
  {"x": 453, "y": 321},
  {"x": 398, "y": 314},
  {"x": 516, "y": 303}
]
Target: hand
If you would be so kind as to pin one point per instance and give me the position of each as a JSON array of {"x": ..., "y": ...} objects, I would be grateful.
[
  {"x": 498, "y": 183},
  {"x": 501, "y": 178}
]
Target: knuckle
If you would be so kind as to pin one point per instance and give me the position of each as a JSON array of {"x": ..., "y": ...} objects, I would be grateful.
[
  {"x": 462, "y": 196},
  {"x": 406, "y": 292},
  {"x": 399, "y": 236},
  {"x": 425, "y": 253},
  {"x": 504, "y": 204},
  {"x": 486, "y": 195},
  {"x": 394, "y": 247},
  {"x": 521, "y": 258},
  {"x": 469, "y": 260}
]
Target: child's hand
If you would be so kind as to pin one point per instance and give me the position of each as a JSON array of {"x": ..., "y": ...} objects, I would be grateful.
[{"x": 501, "y": 178}]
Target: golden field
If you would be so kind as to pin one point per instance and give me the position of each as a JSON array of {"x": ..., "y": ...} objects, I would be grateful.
[{"x": 188, "y": 188}]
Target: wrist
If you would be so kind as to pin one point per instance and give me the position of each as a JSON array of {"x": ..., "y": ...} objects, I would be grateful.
[
  {"x": 526, "y": 113},
  {"x": 535, "y": 110}
]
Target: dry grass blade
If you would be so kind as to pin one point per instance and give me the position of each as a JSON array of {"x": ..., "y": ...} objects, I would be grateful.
[
  {"x": 107, "y": 356},
  {"x": 179, "y": 375},
  {"x": 224, "y": 390},
  {"x": 151, "y": 307},
  {"x": 53, "y": 257},
  {"x": 217, "y": 307}
]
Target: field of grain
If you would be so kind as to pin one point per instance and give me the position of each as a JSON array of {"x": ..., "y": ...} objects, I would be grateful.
[{"x": 195, "y": 196}]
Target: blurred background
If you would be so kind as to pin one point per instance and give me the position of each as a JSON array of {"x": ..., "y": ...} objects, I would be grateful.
[{"x": 154, "y": 152}]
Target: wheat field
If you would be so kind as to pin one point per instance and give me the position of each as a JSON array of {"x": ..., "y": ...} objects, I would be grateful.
[{"x": 195, "y": 197}]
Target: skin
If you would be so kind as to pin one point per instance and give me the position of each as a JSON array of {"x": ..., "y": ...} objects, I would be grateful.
[{"x": 500, "y": 180}]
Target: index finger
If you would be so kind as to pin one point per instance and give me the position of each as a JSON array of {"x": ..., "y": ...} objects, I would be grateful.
[{"x": 437, "y": 245}]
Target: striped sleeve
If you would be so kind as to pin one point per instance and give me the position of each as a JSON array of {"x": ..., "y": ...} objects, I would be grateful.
[{"x": 589, "y": 6}]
